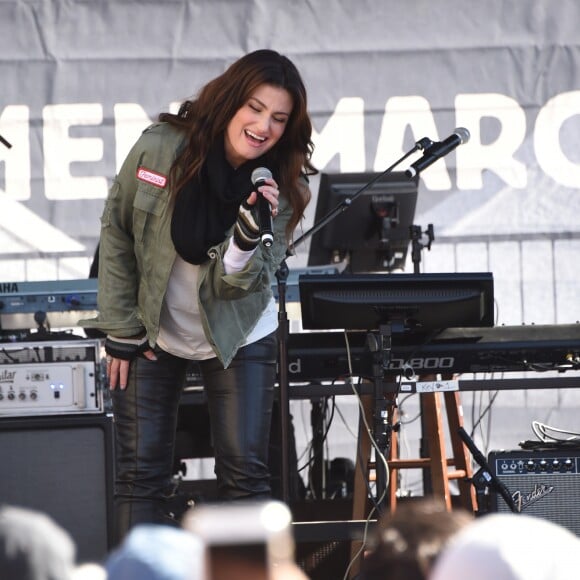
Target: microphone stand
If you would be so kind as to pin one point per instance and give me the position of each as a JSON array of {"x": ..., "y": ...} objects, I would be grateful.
[
  {"x": 484, "y": 478},
  {"x": 283, "y": 324}
]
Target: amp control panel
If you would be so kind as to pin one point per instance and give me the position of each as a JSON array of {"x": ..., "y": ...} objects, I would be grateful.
[{"x": 51, "y": 378}]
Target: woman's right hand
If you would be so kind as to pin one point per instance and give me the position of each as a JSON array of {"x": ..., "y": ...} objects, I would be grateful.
[
  {"x": 120, "y": 353},
  {"x": 118, "y": 370}
]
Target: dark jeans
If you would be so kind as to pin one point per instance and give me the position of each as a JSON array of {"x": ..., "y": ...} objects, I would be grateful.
[{"x": 240, "y": 402}]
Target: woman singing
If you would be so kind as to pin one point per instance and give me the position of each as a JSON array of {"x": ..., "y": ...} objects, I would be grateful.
[{"x": 183, "y": 276}]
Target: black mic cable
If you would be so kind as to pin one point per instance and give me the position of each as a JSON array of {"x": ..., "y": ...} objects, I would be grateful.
[{"x": 492, "y": 480}]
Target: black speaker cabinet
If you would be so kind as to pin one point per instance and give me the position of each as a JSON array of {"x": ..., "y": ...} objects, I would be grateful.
[
  {"x": 62, "y": 466},
  {"x": 544, "y": 484}
]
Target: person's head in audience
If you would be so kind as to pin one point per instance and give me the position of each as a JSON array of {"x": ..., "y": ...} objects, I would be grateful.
[
  {"x": 246, "y": 540},
  {"x": 33, "y": 546},
  {"x": 408, "y": 541},
  {"x": 246, "y": 562},
  {"x": 157, "y": 552},
  {"x": 509, "y": 546},
  {"x": 89, "y": 571}
]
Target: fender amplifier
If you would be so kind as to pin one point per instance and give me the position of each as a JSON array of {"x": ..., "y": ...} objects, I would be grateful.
[{"x": 543, "y": 483}]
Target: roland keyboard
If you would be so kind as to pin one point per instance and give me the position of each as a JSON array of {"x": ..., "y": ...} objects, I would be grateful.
[{"x": 323, "y": 356}]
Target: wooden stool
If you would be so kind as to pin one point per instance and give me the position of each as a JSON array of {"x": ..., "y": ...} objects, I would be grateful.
[{"x": 438, "y": 462}]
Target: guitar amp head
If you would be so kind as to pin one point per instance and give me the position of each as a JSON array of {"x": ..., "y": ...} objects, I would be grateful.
[
  {"x": 543, "y": 483},
  {"x": 51, "y": 378}
]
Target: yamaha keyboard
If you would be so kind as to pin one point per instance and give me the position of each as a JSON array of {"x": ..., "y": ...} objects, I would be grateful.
[
  {"x": 81, "y": 294},
  {"x": 324, "y": 356},
  {"x": 61, "y": 301}
]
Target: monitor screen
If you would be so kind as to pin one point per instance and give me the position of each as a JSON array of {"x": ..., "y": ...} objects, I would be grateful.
[
  {"x": 371, "y": 233},
  {"x": 407, "y": 302}
]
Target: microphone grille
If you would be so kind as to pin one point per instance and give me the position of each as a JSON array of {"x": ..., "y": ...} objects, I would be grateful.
[
  {"x": 463, "y": 134},
  {"x": 260, "y": 173}
]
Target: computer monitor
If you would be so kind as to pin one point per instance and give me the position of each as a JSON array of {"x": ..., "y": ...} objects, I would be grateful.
[
  {"x": 372, "y": 234},
  {"x": 407, "y": 302}
]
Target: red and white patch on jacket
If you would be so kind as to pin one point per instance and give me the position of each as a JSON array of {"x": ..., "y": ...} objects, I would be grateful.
[{"x": 148, "y": 176}]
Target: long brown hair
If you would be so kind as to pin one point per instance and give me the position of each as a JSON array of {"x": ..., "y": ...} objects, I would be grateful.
[{"x": 206, "y": 118}]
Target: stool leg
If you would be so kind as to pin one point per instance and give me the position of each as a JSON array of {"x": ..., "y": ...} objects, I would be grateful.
[
  {"x": 438, "y": 463},
  {"x": 361, "y": 474},
  {"x": 393, "y": 455},
  {"x": 460, "y": 453}
]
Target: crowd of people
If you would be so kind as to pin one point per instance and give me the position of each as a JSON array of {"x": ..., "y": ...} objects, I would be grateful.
[
  {"x": 424, "y": 541},
  {"x": 420, "y": 541},
  {"x": 33, "y": 546}
]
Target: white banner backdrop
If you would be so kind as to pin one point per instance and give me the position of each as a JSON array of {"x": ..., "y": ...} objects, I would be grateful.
[{"x": 80, "y": 80}]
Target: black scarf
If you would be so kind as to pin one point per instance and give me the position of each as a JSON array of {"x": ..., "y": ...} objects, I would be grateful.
[{"x": 206, "y": 207}]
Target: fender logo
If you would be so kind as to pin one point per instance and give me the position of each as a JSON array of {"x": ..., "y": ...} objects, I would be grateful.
[
  {"x": 523, "y": 501},
  {"x": 151, "y": 177}
]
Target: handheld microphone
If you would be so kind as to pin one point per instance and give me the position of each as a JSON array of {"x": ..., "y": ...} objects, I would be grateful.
[
  {"x": 259, "y": 176},
  {"x": 438, "y": 150}
]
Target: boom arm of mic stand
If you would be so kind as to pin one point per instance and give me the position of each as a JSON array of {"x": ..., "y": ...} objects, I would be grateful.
[
  {"x": 345, "y": 204},
  {"x": 282, "y": 276},
  {"x": 5, "y": 143}
]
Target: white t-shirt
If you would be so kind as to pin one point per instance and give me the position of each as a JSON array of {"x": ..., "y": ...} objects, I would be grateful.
[{"x": 180, "y": 331}]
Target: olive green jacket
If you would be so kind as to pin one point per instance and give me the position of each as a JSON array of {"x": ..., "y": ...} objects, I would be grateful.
[{"x": 136, "y": 255}]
